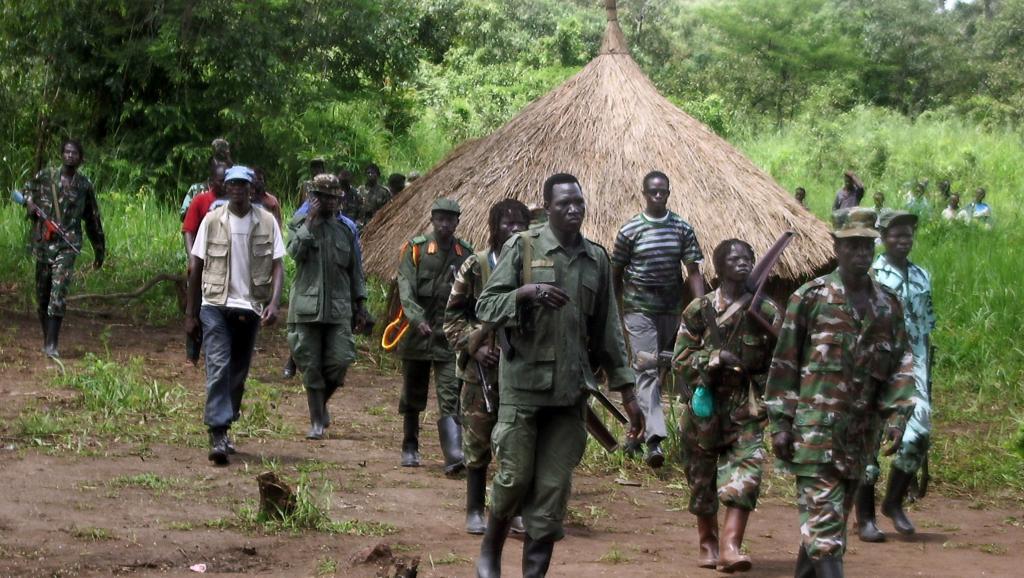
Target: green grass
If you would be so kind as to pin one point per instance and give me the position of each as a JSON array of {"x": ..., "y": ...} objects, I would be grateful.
[
  {"x": 146, "y": 481},
  {"x": 311, "y": 513}
]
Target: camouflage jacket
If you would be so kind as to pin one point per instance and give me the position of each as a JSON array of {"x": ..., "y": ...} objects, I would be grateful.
[
  {"x": 460, "y": 320},
  {"x": 373, "y": 199},
  {"x": 70, "y": 207},
  {"x": 425, "y": 276},
  {"x": 835, "y": 376},
  {"x": 737, "y": 394}
]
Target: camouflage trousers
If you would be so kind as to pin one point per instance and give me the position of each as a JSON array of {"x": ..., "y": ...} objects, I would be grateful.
[
  {"x": 477, "y": 425},
  {"x": 824, "y": 502},
  {"x": 53, "y": 278},
  {"x": 731, "y": 473}
]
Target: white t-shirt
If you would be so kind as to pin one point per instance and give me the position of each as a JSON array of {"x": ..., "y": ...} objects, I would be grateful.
[{"x": 238, "y": 272}]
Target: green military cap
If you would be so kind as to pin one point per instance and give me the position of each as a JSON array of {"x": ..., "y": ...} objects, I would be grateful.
[
  {"x": 855, "y": 222},
  {"x": 326, "y": 184},
  {"x": 446, "y": 205},
  {"x": 892, "y": 218}
]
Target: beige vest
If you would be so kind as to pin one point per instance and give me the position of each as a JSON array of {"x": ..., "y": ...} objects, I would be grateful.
[{"x": 217, "y": 264}]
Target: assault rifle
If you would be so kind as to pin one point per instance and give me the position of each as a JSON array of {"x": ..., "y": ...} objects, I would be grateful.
[
  {"x": 926, "y": 477},
  {"x": 50, "y": 228}
]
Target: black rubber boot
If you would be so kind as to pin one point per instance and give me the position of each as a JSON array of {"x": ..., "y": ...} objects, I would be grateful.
[
  {"x": 289, "y": 368},
  {"x": 315, "y": 401},
  {"x": 892, "y": 506},
  {"x": 327, "y": 398},
  {"x": 411, "y": 440},
  {"x": 536, "y": 557},
  {"x": 829, "y": 567},
  {"x": 867, "y": 528},
  {"x": 43, "y": 318},
  {"x": 804, "y": 566},
  {"x": 476, "y": 490},
  {"x": 450, "y": 433},
  {"x": 219, "y": 447},
  {"x": 52, "y": 336},
  {"x": 488, "y": 565}
]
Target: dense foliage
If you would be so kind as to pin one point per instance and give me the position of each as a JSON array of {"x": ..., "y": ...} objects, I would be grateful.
[{"x": 148, "y": 84}]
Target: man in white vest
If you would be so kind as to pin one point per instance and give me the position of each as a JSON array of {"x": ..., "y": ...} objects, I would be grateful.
[{"x": 234, "y": 287}]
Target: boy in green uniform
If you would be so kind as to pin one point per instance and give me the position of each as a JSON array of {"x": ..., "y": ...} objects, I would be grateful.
[
  {"x": 842, "y": 365},
  {"x": 551, "y": 295},
  {"x": 477, "y": 355},
  {"x": 723, "y": 452},
  {"x": 425, "y": 275},
  {"x": 326, "y": 300},
  {"x": 67, "y": 197}
]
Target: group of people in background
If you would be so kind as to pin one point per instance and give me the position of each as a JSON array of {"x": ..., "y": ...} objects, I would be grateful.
[
  {"x": 519, "y": 335},
  {"x": 916, "y": 199}
]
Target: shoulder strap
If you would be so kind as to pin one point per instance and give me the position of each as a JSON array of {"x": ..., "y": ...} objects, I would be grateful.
[
  {"x": 527, "y": 273},
  {"x": 484, "y": 260}
]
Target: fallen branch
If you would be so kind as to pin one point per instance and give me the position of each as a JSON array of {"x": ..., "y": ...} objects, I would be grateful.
[{"x": 179, "y": 286}]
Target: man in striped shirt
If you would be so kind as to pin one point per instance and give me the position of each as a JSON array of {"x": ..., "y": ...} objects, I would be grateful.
[{"x": 648, "y": 281}]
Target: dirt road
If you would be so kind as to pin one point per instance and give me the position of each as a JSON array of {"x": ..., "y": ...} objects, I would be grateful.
[{"x": 114, "y": 506}]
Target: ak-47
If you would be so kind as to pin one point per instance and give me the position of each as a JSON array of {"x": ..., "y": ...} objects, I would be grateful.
[
  {"x": 755, "y": 285},
  {"x": 475, "y": 341},
  {"x": 926, "y": 477},
  {"x": 50, "y": 229}
]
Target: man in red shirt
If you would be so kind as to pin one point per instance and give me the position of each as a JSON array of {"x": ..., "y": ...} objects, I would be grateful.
[
  {"x": 261, "y": 197},
  {"x": 202, "y": 204}
]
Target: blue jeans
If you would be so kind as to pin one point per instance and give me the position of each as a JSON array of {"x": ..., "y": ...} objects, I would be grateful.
[{"x": 228, "y": 339}]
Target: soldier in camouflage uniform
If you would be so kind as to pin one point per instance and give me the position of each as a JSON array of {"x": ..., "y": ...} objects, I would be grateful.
[
  {"x": 842, "y": 365},
  {"x": 373, "y": 194},
  {"x": 724, "y": 452},
  {"x": 67, "y": 197},
  {"x": 551, "y": 293},
  {"x": 893, "y": 269},
  {"x": 326, "y": 300},
  {"x": 464, "y": 331},
  {"x": 425, "y": 276}
]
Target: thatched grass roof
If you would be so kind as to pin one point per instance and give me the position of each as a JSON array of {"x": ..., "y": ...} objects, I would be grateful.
[{"x": 609, "y": 126}]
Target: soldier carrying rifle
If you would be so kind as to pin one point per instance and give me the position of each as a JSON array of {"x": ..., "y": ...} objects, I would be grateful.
[{"x": 59, "y": 201}]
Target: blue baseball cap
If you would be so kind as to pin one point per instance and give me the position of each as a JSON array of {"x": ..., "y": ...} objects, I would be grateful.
[{"x": 239, "y": 173}]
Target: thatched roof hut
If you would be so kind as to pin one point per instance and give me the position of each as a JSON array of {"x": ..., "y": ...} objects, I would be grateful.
[{"x": 609, "y": 126}]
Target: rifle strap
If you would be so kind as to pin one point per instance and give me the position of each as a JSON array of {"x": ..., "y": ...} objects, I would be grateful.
[
  {"x": 707, "y": 312},
  {"x": 527, "y": 273},
  {"x": 54, "y": 182}
]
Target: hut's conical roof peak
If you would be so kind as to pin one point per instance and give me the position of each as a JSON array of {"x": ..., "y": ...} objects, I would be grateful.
[{"x": 609, "y": 126}]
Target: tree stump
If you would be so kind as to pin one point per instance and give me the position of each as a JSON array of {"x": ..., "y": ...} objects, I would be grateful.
[{"x": 277, "y": 500}]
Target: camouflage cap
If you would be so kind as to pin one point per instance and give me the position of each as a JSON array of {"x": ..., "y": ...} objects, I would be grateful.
[
  {"x": 892, "y": 218},
  {"x": 855, "y": 222},
  {"x": 325, "y": 184}
]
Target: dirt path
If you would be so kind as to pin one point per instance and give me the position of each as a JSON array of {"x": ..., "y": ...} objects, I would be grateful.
[{"x": 71, "y": 513}]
